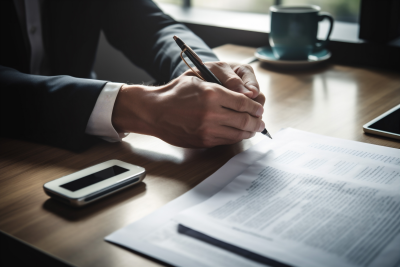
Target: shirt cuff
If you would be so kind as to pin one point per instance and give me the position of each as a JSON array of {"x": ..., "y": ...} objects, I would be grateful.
[{"x": 99, "y": 123}]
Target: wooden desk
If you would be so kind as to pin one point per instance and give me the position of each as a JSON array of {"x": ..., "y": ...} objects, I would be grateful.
[{"x": 330, "y": 100}]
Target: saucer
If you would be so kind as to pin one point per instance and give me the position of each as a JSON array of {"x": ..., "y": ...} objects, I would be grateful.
[{"x": 265, "y": 54}]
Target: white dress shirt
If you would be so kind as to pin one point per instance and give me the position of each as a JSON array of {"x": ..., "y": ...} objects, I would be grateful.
[
  {"x": 100, "y": 120},
  {"x": 99, "y": 123}
]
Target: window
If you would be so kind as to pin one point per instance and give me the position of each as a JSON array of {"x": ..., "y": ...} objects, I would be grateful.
[
  {"x": 253, "y": 6},
  {"x": 176, "y": 2},
  {"x": 341, "y": 10}
]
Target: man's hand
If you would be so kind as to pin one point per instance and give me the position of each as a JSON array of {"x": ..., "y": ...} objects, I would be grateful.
[{"x": 189, "y": 112}]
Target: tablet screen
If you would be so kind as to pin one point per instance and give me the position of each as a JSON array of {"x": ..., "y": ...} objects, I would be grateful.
[{"x": 390, "y": 123}]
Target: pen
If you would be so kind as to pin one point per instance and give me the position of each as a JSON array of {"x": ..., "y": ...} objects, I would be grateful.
[{"x": 206, "y": 73}]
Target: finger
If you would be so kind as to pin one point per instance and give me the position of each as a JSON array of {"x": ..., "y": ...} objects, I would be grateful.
[
  {"x": 230, "y": 135},
  {"x": 242, "y": 121},
  {"x": 239, "y": 103},
  {"x": 222, "y": 135},
  {"x": 260, "y": 99},
  {"x": 228, "y": 77},
  {"x": 246, "y": 73},
  {"x": 233, "y": 135}
]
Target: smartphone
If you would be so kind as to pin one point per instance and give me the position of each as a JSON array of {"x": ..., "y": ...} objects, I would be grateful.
[
  {"x": 387, "y": 124},
  {"x": 93, "y": 183}
]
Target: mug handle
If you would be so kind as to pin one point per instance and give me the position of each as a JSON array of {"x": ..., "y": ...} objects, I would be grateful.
[{"x": 322, "y": 44}]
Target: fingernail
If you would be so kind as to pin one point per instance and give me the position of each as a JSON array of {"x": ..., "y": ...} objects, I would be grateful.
[
  {"x": 262, "y": 126},
  {"x": 259, "y": 111},
  {"x": 245, "y": 89},
  {"x": 252, "y": 88}
]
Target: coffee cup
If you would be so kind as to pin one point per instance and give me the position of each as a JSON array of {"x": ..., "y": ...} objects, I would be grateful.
[{"x": 294, "y": 31}]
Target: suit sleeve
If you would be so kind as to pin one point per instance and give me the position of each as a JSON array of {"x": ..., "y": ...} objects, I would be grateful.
[
  {"x": 52, "y": 110},
  {"x": 144, "y": 34}
]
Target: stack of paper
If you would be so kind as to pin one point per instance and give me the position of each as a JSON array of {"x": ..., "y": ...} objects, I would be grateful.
[{"x": 302, "y": 200}]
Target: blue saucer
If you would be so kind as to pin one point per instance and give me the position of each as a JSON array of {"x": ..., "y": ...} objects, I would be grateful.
[{"x": 265, "y": 54}]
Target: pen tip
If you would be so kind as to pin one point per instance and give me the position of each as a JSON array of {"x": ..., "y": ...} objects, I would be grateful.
[{"x": 265, "y": 132}]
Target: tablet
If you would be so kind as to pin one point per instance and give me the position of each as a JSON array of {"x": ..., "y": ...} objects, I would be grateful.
[{"x": 387, "y": 124}]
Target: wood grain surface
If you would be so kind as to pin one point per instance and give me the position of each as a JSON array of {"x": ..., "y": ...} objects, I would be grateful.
[{"x": 328, "y": 99}]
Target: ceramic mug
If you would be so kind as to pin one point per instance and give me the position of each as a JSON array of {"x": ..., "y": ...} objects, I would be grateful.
[{"x": 294, "y": 31}]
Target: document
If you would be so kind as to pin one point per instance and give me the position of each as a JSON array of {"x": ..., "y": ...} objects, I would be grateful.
[
  {"x": 305, "y": 208},
  {"x": 303, "y": 169},
  {"x": 156, "y": 235},
  {"x": 303, "y": 156},
  {"x": 343, "y": 147}
]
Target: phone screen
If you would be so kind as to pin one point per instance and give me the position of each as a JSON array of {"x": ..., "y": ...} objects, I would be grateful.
[
  {"x": 390, "y": 123},
  {"x": 94, "y": 178}
]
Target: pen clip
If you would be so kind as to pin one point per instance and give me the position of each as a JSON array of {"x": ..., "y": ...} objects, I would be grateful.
[
  {"x": 195, "y": 72},
  {"x": 194, "y": 54}
]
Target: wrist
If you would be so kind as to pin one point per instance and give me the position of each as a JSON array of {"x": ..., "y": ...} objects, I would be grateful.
[{"x": 132, "y": 109}]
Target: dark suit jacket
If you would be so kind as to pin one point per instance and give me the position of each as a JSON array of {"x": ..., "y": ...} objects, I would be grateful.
[{"x": 55, "y": 109}]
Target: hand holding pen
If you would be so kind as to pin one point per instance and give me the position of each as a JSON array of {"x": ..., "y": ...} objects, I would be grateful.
[
  {"x": 188, "y": 112},
  {"x": 208, "y": 75}
]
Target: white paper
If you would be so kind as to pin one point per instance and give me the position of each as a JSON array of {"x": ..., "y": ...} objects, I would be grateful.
[
  {"x": 303, "y": 156},
  {"x": 308, "y": 208},
  {"x": 376, "y": 153},
  {"x": 152, "y": 235},
  {"x": 155, "y": 236}
]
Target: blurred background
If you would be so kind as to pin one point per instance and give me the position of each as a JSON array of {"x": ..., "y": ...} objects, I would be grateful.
[
  {"x": 364, "y": 32},
  {"x": 342, "y": 10}
]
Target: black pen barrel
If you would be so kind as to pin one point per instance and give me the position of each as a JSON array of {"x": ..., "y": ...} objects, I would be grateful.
[
  {"x": 208, "y": 75},
  {"x": 205, "y": 72}
]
